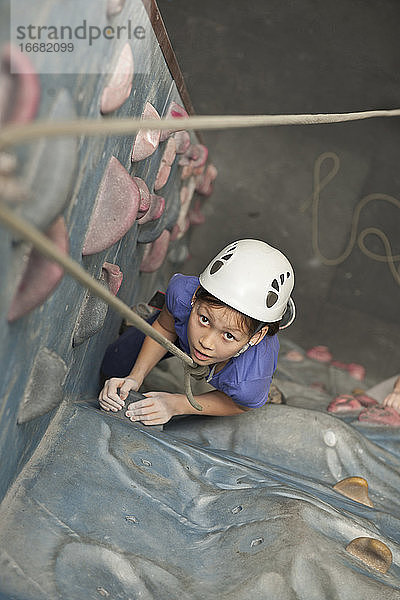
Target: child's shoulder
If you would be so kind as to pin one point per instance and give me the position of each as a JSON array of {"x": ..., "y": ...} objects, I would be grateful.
[{"x": 180, "y": 290}]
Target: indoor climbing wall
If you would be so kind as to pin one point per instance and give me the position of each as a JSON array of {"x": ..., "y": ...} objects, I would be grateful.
[{"x": 118, "y": 205}]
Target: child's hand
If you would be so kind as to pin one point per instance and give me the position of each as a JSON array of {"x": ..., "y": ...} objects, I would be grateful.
[
  {"x": 156, "y": 409},
  {"x": 393, "y": 400},
  {"x": 109, "y": 398}
]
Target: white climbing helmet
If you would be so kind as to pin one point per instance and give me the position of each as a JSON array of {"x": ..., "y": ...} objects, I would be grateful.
[{"x": 255, "y": 279}]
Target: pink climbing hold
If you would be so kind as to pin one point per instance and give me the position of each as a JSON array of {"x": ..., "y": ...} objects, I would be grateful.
[
  {"x": 294, "y": 356},
  {"x": 195, "y": 156},
  {"x": 380, "y": 415},
  {"x": 344, "y": 403},
  {"x": 320, "y": 353},
  {"x": 19, "y": 87},
  {"x": 155, "y": 253},
  {"x": 114, "y": 7},
  {"x": 357, "y": 371},
  {"x": 41, "y": 275},
  {"x": 115, "y": 209},
  {"x": 205, "y": 183},
  {"x": 144, "y": 203},
  {"x": 147, "y": 140},
  {"x": 113, "y": 277},
  {"x": 366, "y": 400},
  {"x": 119, "y": 87},
  {"x": 196, "y": 216},
  {"x": 157, "y": 207},
  {"x": 165, "y": 166},
  {"x": 182, "y": 141},
  {"x": 175, "y": 111}
]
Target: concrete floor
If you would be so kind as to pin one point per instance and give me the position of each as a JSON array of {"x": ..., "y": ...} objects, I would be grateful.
[{"x": 270, "y": 57}]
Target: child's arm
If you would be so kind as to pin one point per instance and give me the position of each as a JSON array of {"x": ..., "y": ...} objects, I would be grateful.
[
  {"x": 150, "y": 354},
  {"x": 393, "y": 399},
  {"x": 159, "y": 407}
]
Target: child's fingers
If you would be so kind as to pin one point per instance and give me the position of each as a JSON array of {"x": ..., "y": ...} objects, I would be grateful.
[{"x": 129, "y": 384}]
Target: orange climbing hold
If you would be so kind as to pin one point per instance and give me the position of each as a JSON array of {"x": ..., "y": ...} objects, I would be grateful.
[
  {"x": 355, "y": 488},
  {"x": 372, "y": 552}
]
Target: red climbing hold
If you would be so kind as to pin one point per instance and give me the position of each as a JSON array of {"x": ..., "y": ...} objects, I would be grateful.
[
  {"x": 205, "y": 182},
  {"x": 155, "y": 253},
  {"x": 320, "y": 353},
  {"x": 115, "y": 209},
  {"x": 40, "y": 276},
  {"x": 344, "y": 403},
  {"x": 119, "y": 87},
  {"x": 19, "y": 87},
  {"x": 147, "y": 140},
  {"x": 144, "y": 203},
  {"x": 157, "y": 207},
  {"x": 380, "y": 415},
  {"x": 175, "y": 111},
  {"x": 165, "y": 166}
]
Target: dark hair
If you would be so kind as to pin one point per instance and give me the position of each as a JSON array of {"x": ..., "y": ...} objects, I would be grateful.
[{"x": 247, "y": 324}]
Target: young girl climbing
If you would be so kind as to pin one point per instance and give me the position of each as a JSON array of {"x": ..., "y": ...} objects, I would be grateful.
[{"x": 226, "y": 319}]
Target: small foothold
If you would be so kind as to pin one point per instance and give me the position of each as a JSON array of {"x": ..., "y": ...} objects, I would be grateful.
[
  {"x": 205, "y": 183},
  {"x": 372, "y": 552},
  {"x": 357, "y": 371},
  {"x": 115, "y": 209},
  {"x": 103, "y": 592},
  {"x": 344, "y": 403},
  {"x": 294, "y": 356},
  {"x": 113, "y": 277},
  {"x": 144, "y": 203},
  {"x": 175, "y": 111},
  {"x": 146, "y": 463},
  {"x": 380, "y": 415},
  {"x": 236, "y": 509},
  {"x": 131, "y": 519},
  {"x": 355, "y": 488},
  {"x": 330, "y": 438},
  {"x": 157, "y": 207},
  {"x": 19, "y": 87},
  {"x": 41, "y": 275},
  {"x": 156, "y": 252},
  {"x": 119, "y": 87},
  {"x": 256, "y": 542},
  {"x": 114, "y": 7},
  {"x": 320, "y": 353},
  {"x": 147, "y": 140}
]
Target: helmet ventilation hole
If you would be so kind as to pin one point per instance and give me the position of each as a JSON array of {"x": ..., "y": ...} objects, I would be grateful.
[
  {"x": 282, "y": 278},
  {"x": 272, "y": 298},
  {"x": 227, "y": 256},
  {"x": 288, "y": 274},
  {"x": 216, "y": 266},
  {"x": 275, "y": 285}
]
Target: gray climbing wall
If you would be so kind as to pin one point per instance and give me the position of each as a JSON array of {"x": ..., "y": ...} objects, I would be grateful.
[{"x": 81, "y": 192}]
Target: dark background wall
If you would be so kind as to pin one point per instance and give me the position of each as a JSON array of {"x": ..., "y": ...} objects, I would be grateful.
[{"x": 270, "y": 57}]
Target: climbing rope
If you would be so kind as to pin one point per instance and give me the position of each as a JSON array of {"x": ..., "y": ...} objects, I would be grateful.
[
  {"x": 12, "y": 135},
  {"x": 319, "y": 185}
]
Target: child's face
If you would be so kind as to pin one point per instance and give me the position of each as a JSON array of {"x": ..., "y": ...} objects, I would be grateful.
[{"x": 214, "y": 334}]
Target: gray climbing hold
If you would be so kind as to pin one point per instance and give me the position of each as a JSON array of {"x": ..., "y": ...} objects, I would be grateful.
[
  {"x": 91, "y": 316},
  {"x": 51, "y": 168},
  {"x": 44, "y": 389}
]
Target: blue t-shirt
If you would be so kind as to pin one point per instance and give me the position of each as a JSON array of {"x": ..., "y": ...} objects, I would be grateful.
[{"x": 245, "y": 378}]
